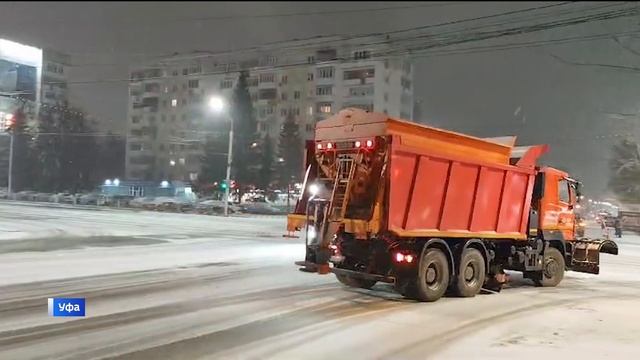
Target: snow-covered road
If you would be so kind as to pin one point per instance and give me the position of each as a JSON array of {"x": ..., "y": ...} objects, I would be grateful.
[{"x": 171, "y": 286}]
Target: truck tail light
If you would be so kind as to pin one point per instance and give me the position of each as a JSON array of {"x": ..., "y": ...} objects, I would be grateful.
[
  {"x": 369, "y": 144},
  {"x": 329, "y": 146},
  {"x": 404, "y": 258},
  {"x": 319, "y": 146},
  {"x": 357, "y": 144}
]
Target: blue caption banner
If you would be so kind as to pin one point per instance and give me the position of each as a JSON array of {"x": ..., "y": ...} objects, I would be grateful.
[{"x": 66, "y": 307}]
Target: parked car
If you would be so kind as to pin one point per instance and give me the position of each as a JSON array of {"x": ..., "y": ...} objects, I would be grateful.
[
  {"x": 88, "y": 199},
  {"x": 211, "y": 207},
  {"x": 42, "y": 197},
  {"x": 142, "y": 202},
  {"x": 260, "y": 208},
  {"x": 24, "y": 195},
  {"x": 172, "y": 204}
]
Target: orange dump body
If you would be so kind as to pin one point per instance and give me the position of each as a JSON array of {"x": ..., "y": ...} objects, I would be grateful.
[
  {"x": 439, "y": 183},
  {"x": 444, "y": 192}
]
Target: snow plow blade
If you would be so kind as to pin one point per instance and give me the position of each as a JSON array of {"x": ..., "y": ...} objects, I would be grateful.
[{"x": 586, "y": 254}]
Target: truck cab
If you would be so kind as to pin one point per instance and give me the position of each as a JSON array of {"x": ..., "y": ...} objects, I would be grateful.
[{"x": 555, "y": 196}]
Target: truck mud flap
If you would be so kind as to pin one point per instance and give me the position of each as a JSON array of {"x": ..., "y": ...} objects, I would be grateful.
[{"x": 586, "y": 254}]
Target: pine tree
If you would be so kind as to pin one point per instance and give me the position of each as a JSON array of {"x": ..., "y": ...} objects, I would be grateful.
[
  {"x": 214, "y": 159},
  {"x": 291, "y": 151},
  {"x": 266, "y": 163},
  {"x": 111, "y": 157},
  {"x": 48, "y": 149},
  {"x": 23, "y": 164},
  {"x": 68, "y": 154},
  {"x": 245, "y": 164}
]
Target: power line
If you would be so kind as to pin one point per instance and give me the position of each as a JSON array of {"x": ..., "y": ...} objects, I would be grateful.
[
  {"x": 332, "y": 38},
  {"x": 322, "y": 13},
  {"x": 413, "y": 51},
  {"x": 523, "y": 30}
]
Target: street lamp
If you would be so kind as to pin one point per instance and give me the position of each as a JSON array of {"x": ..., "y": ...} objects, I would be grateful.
[{"x": 217, "y": 105}]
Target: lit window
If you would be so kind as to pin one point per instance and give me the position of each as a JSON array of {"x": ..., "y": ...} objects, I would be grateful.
[
  {"x": 310, "y": 110},
  {"x": 174, "y": 102},
  {"x": 324, "y": 108},
  {"x": 181, "y": 161}
]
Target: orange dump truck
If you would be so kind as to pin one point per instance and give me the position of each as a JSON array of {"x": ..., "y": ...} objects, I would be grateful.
[{"x": 431, "y": 210}]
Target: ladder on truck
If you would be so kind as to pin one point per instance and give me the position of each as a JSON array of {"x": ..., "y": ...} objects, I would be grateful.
[
  {"x": 333, "y": 213},
  {"x": 342, "y": 188}
]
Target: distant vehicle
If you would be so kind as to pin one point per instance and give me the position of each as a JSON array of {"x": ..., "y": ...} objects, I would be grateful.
[
  {"x": 25, "y": 195},
  {"x": 42, "y": 197},
  {"x": 259, "y": 208},
  {"x": 428, "y": 209},
  {"x": 213, "y": 207},
  {"x": 88, "y": 199}
]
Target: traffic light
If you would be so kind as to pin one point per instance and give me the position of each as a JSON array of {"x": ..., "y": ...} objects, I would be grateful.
[
  {"x": 223, "y": 185},
  {"x": 233, "y": 184}
]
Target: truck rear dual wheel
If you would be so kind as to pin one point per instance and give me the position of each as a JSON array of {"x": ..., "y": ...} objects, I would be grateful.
[
  {"x": 432, "y": 279},
  {"x": 553, "y": 270},
  {"x": 355, "y": 282},
  {"x": 471, "y": 273}
]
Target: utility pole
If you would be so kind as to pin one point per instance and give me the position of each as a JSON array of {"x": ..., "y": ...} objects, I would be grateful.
[
  {"x": 229, "y": 160},
  {"x": 10, "y": 175}
]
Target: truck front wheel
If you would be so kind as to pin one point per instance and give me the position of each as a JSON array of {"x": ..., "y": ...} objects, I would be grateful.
[
  {"x": 432, "y": 279},
  {"x": 471, "y": 273},
  {"x": 553, "y": 270}
]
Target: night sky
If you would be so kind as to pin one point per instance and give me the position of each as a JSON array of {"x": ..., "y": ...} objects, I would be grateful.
[{"x": 524, "y": 92}]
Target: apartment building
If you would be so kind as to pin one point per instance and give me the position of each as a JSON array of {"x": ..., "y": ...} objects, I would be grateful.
[
  {"x": 168, "y": 113},
  {"x": 55, "y": 70}
]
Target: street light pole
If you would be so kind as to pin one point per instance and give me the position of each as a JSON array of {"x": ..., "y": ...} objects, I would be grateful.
[
  {"x": 10, "y": 175},
  {"x": 229, "y": 160}
]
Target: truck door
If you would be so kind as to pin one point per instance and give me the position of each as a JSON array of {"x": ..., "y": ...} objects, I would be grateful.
[
  {"x": 566, "y": 202},
  {"x": 556, "y": 207}
]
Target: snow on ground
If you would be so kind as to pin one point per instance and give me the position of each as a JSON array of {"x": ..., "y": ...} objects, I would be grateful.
[
  {"x": 173, "y": 286},
  {"x": 67, "y": 242}
]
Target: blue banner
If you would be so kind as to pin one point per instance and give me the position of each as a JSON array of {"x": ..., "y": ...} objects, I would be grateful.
[{"x": 66, "y": 307}]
